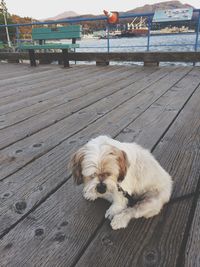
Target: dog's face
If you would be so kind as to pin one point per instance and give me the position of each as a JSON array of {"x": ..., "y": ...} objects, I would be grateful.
[{"x": 99, "y": 168}]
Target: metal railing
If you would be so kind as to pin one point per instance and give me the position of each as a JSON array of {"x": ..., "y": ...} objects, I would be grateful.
[{"x": 148, "y": 45}]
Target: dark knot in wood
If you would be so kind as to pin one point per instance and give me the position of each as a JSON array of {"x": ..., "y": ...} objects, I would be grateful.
[{"x": 20, "y": 207}]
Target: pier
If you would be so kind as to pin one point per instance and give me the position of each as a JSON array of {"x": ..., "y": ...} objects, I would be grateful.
[{"x": 46, "y": 114}]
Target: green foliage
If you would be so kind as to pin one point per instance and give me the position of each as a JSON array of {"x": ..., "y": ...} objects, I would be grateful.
[{"x": 11, "y": 30}]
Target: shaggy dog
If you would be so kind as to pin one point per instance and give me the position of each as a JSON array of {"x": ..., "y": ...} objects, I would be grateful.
[{"x": 116, "y": 171}]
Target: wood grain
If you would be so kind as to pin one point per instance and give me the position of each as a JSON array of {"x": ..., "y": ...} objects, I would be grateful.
[
  {"x": 56, "y": 91},
  {"x": 104, "y": 56},
  {"x": 48, "y": 221},
  {"x": 65, "y": 95},
  {"x": 192, "y": 252},
  {"x": 12, "y": 94},
  {"x": 60, "y": 131},
  {"x": 163, "y": 247},
  {"x": 40, "y": 176},
  {"x": 152, "y": 242}
]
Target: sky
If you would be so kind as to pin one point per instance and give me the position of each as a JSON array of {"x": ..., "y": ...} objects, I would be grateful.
[{"x": 41, "y": 9}]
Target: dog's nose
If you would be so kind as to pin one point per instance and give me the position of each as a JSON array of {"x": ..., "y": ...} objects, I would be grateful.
[{"x": 101, "y": 188}]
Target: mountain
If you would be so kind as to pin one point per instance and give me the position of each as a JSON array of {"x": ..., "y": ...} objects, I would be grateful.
[
  {"x": 90, "y": 26},
  {"x": 161, "y": 5},
  {"x": 66, "y": 14},
  {"x": 143, "y": 9}
]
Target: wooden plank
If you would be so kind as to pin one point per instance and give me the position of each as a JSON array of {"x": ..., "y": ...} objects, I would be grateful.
[
  {"x": 191, "y": 256},
  {"x": 54, "y": 233},
  {"x": 152, "y": 242},
  {"x": 181, "y": 220},
  {"x": 10, "y": 70},
  {"x": 58, "y": 132},
  {"x": 33, "y": 182},
  {"x": 33, "y": 77},
  {"x": 15, "y": 75},
  {"x": 62, "y": 95},
  {"x": 144, "y": 247},
  {"x": 166, "y": 237},
  {"x": 138, "y": 56},
  {"x": 161, "y": 113},
  {"x": 122, "y": 56},
  {"x": 73, "y": 99},
  {"x": 15, "y": 94},
  {"x": 57, "y": 73}
]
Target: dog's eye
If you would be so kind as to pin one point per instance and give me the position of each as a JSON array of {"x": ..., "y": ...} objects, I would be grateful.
[
  {"x": 93, "y": 175},
  {"x": 107, "y": 174}
]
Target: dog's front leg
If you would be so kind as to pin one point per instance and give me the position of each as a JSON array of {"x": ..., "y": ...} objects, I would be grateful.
[
  {"x": 147, "y": 208},
  {"x": 119, "y": 204}
]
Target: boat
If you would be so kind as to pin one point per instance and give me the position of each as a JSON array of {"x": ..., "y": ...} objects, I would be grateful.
[
  {"x": 140, "y": 32},
  {"x": 172, "y": 30},
  {"x": 135, "y": 28}
]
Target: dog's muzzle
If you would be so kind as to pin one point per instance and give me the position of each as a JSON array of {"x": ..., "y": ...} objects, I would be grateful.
[{"x": 101, "y": 188}]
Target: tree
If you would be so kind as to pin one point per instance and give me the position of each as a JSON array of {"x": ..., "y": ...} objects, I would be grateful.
[{"x": 11, "y": 30}]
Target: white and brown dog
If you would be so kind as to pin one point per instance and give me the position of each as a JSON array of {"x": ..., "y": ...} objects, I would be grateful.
[{"x": 103, "y": 164}]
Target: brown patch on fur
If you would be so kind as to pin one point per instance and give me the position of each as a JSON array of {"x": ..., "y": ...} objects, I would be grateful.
[
  {"x": 123, "y": 165},
  {"x": 75, "y": 165}
]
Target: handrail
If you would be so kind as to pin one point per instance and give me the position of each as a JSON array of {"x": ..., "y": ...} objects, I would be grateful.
[
  {"x": 121, "y": 16},
  {"x": 129, "y": 15}
]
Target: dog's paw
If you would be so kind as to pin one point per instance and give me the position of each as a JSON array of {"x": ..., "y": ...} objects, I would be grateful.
[
  {"x": 109, "y": 214},
  {"x": 89, "y": 196},
  {"x": 112, "y": 211},
  {"x": 119, "y": 221}
]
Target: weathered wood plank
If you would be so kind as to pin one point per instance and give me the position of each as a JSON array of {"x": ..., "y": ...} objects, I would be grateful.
[
  {"x": 138, "y": 56},
  {"x": 59, "y": 87},
  {"x": 142, "y": 130},
  {"x": 36, "y": 121},
  {"x": 51, "y": 165},
  {"x": 57, "y": 133},
  {"x": 8, "y": 71},
  {"x": 56, "y": 238},
  {"x": 54, "y": 157},
  {"x": 104, "y": 56},
  {"x": 191, "y": 257},
  {"x": 54, "y": 74},
  {"x": 54, "y": 234},
  {"x": 162, "y": 222},
  {"x": 10, "y": 94},
  {"x": 58, "y": 98},
  {"x": 29, "y": 78},
  {"x": 152, "y": 242},
  {"x": 169, "y": 238}
]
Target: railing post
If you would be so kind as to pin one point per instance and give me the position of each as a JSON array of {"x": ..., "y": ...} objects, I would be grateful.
[
  {"x": 17, "y": 37},
  {"x": 148, "y": 37},
  {"x": 108, "y": 38},
  {"x": 197, "y": 34}
]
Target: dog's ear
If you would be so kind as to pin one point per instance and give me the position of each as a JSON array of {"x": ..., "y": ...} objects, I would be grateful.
[
  {"x": 75, "y": 166},
  {"x": 123, "y": 165}
]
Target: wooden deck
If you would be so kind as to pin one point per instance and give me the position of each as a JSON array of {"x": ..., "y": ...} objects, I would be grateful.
[{"x": 46, "y": 113}]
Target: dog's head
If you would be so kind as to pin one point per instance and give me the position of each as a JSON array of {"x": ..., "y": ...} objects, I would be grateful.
[{"x": 99, "y": 168}]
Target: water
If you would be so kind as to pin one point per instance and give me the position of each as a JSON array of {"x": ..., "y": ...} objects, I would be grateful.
[
  {"x": 167, "y": 43},
  {"x": 139, "y": 44}
]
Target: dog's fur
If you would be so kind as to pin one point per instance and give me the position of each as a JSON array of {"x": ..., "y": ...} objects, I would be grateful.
[{"x": 108, "y": 161}]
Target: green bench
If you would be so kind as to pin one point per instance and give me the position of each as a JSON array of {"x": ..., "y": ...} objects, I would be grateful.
[{"x": 41, "y": 35}]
